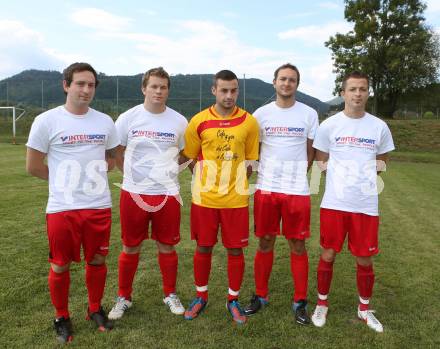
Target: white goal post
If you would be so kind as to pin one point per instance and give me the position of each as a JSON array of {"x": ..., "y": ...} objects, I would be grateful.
[{"x": 15, "y": 118}]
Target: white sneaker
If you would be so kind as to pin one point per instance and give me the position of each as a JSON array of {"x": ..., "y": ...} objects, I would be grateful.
[
  {"x": 371, "y": 321},
  {"x": 119, "y": 308},
  {"x": 319, "y": 315},
  {"x": 174, "y": 304}
]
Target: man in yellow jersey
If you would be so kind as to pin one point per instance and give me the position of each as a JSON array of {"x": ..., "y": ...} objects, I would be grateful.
[{"x": 221, "y": 138}]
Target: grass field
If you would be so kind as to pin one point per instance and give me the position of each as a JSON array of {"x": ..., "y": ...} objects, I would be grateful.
[{"x": 406, "y": 294}]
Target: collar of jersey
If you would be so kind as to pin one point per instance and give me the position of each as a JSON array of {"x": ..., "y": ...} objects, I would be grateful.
[{"x": 230, "y": 116}]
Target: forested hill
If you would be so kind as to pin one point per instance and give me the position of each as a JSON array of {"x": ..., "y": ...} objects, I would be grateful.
[{"x": 38, "y": 88}]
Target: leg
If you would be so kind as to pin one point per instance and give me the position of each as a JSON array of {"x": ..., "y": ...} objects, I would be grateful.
[
  {"x": 168, "y": 262},
  {"x": 235, "y": 272},
  {"x": 204, "y": 228},
  {"x": 62, "y": 235},
  {"x": 325, "y": 274},
  {"x": 95, "y": 240},
  {"x": 202, "y": 270},
  {"x": 299, "y": 265},
  {"x": 127, "y": 265},
  {"x": 134, "y": 230},
  {"x": 365, "y": 281},
  {"x": 263, "y": 263},
  {"x": 96, "y": 273},
  {"x": 59, "y": 283}
]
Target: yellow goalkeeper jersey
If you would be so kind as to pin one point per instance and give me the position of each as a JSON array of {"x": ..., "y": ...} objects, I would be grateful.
[{"x": 221, "y": 145}]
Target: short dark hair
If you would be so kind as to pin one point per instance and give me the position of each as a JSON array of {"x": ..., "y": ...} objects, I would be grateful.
[
  {"x": 226, "y": 75},
  {"x": 354, "y": 75},
  {"x": 286, "y": 66},
  {"x": 77, "y": 68},
  {"x": 159, "y": 72}
]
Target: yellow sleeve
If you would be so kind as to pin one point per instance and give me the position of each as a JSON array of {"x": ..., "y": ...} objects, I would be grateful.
[
  {"x": 192, "y": 140},
  {"x": 252, "y": 140}
]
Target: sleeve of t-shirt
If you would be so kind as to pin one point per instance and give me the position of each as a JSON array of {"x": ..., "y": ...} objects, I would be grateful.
[
  {"x": 322, "y": 141},
  {"x": 181, "y": 140},
  {"x": 113, "y": 138},
  {"x": 39, "y": 136},
  {"x": 192, "y": 140},
  {"x": 122, "y": 129},
  {"x": 252, "y": 140},
  {"x": 313, "y": 125},
  {"x": 386, "y": 141}
]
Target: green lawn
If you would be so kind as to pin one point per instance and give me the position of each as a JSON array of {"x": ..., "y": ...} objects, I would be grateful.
[{"x": 406, "y": 294}]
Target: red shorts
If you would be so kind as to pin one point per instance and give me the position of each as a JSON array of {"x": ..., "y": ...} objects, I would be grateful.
[
  {"x": 234, "y": 224},
  {"x": 68, "y": 230},
  {"x": 137, "y": 210},
  {"x": 362, "y": 232},
  {"x": 294, "y": 211}
]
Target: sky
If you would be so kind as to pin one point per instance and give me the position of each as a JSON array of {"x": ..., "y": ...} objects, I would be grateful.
[{"x": 185, "y": 37}]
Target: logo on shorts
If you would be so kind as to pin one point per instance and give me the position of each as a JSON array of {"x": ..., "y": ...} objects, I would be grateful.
[{"x": 371, "y": 249}]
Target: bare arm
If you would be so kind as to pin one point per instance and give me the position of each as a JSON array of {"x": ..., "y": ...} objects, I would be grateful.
[
  {"x": 310, "y": 153},
  {"x": 381, "y": 162},
  {"x": 183, "y": 160},
  {"x": 321, "y": 159},
  {"x": 119, "y": 157},
  {"x": 110, "y": 157},
  {"x": 35, "y": 165}
]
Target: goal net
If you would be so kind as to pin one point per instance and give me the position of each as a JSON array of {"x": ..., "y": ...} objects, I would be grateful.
[{"x": 17, "y": 113}]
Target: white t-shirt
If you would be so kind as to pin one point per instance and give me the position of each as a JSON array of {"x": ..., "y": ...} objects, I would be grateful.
[
  {"x": 75, "y": 146},
  {"x": 351, "y": 180},
  {"x": 283, "y": 158},
  {"x": 153, "y": 144}
]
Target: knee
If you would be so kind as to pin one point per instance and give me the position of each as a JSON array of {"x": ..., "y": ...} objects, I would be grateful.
[
  {"x": 97, "y": 260},
  {"x": 266, "y": 243},
  {"x": 204, "y": 249},
  {"x": 60, "y": 268},
  {"x": 297, "y": 247},
  {"x": 364, "y": 261},
  {"x": 131, "y": 249},
  {"x": 328, "y": 255},
  {"x": 235, "y": 251},
  {"x": 164, "y": 248}
]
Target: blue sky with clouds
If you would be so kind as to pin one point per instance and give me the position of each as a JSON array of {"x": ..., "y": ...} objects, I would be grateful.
[{"x": 129, "y": 37}]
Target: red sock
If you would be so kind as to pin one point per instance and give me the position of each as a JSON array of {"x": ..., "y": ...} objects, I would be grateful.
[
  {"x": 128, "y": 264},
  {"x": 365, "y": 283},
  {"x": 59, "y": 292},
  {"x": 95, "y": 282},
  {"x": 299, "y": 266},
  {"x": 202, "y": 269},
  {"x": 168, "y": 267},
  {"x": 262, "y": 268},
  {"x": 325, "y": 274},
  {"x": 235, "y": 275}
]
